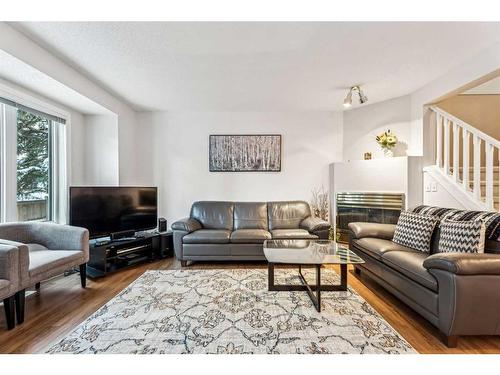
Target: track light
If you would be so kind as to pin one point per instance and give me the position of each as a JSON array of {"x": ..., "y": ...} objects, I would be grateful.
[
  {"x": 348, "y": 99},
  {"x": 355, "y": 89}
]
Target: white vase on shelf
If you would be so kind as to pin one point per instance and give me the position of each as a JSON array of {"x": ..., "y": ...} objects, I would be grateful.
[{"x": 388, "y": 152}]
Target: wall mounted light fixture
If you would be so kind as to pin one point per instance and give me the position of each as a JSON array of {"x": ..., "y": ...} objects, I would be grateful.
[{"x": 356, "y": 90}]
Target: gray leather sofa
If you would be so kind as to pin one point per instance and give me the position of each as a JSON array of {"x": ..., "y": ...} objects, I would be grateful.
[
  {"x": 459, "y": 293},
  {"x": 236, "y": 230}
]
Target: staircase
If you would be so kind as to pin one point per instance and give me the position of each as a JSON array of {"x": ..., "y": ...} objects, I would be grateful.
[{"x": 468, "y": 158}]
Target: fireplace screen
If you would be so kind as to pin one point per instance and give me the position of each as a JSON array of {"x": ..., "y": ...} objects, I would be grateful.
[{"x": 369, "y": 207}]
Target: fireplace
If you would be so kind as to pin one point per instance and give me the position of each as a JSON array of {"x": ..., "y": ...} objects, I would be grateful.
[{"x": 371, "y": 207}]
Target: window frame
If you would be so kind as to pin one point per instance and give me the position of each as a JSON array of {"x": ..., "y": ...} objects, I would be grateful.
[{"x": 60, "y": 155}]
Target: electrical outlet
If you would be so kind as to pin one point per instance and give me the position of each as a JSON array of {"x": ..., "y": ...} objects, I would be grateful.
[
  {"x": 434, "y": 186},
  {"x": 428, "y": 187}
]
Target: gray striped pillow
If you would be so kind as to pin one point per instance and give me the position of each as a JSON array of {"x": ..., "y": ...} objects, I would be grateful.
[
  {"x": 462, "y": 236},
  {"x": 415, "y": 230}
]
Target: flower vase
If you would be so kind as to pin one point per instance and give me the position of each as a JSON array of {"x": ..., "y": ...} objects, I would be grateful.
[{"x": 388, "y": 152}]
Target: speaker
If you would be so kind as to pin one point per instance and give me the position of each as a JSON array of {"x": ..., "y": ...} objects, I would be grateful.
[{"x": 162, "y": 225}]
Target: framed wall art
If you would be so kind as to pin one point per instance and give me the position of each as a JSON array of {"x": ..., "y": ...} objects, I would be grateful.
[{"x": 245, "y": 153}]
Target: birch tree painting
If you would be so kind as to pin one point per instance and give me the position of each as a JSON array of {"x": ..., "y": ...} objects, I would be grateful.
[{"x": 245, "y": 153}]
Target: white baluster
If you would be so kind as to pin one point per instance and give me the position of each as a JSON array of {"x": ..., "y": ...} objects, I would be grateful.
[
  {"x": 439, "y": 139},
  {"x": 465, "y": 155},
  {"x": 489, "y": 175},
  {"x": 477, "y": 168},
  {"x": 446, "y": 135},
  {"x": 456, "y": 149}
]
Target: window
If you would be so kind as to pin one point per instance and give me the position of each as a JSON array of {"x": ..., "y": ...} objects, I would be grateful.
[
  {"x": 32, "y": 164},
  {"x": 34, "y": 167}
]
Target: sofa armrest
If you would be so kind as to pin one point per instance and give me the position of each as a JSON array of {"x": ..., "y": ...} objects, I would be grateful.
[
  {"x": 314, "y": 224},
  {"x": 23, "y": 259},
  {"x": 375, "y": 230},
  {"x": 187, "y": 225},
  {"x": 9, "y": 263},
  {"x": 465, "y": 263}
]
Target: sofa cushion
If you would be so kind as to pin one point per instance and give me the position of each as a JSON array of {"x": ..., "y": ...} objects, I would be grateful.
[
  {"x": 410, "y": 264},
  {"x": 292, "y": 233},
  {"x": 213, "y": 215},
  {"x": 250, "y": 215},
  {"x": 287, "y": 215},
  {"x": 206, "y": 236},
  {"x": 415, "y": 230},
  {"x": 376, "y": 247},
  {"x": 44, "y": 261},
  {"x": 250, "y": 236},
  {"x": 35, "y": 247}
]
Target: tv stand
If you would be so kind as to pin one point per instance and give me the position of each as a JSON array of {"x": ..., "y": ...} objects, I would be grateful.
[
  {"x": 124, "y": 239},
  {"x": 112, "y": 255}
]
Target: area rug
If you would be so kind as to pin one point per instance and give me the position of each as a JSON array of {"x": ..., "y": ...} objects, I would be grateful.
[{"x": 231, "y": 312}]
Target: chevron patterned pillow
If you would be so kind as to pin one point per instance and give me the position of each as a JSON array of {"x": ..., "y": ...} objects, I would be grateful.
[
  {"x": 462, "y": 236},
  {"x": 415, "y": 230}
]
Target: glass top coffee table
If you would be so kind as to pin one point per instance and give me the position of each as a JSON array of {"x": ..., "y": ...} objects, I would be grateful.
[{"x": 309, "y": 253}]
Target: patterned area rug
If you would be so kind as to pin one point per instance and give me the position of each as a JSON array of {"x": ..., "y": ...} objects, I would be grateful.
[{"x": 231, "y": 312}]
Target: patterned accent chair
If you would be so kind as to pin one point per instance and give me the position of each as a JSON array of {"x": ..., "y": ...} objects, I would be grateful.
[
  {"x": 457, "y": 292},
  {"x": 45, "y": 250}
]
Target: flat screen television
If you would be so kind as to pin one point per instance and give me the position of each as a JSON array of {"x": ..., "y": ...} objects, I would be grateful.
[{"x": 105, "y": 210}]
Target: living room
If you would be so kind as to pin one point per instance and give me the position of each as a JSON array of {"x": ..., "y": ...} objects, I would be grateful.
[{"x": 249, "y": 186}]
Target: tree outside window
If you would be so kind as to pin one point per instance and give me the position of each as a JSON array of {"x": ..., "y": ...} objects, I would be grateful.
[{"x": 33, "y": 166}]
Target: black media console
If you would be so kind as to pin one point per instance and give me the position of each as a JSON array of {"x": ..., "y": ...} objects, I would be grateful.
[{"x": 108, "y": 256}]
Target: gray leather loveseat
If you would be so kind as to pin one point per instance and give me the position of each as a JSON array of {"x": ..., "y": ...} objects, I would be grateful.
[
  {"x": 459, "y": 293},
  {"x": 236, "y": 230}
]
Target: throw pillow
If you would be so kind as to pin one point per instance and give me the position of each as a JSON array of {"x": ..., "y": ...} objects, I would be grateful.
[
  {"x": 462, "y": 236},
  {"x": 415, "y": 230}
]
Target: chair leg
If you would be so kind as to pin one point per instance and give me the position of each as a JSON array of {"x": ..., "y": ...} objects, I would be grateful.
[
  {"x": 83, "y": 274},
  {"x": 451, "y": 341},
  {"x": 20, "y": 298},
  {"x": 8, "y": 304}
]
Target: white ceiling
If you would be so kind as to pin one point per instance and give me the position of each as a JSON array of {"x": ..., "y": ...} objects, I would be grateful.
[
  {"x": 491, "y": 87},
  {"x": 24, "y": 75},
  {"x": 260, "y": 66}
]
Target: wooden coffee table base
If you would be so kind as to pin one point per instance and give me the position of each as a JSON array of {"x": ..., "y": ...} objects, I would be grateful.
[{"x": 310, "y": 289}]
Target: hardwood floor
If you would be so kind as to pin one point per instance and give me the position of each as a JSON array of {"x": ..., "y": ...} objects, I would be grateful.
[{"x": 62, "y": 304}]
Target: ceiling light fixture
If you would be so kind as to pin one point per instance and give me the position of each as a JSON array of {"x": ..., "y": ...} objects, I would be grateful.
[{"x": 357, "y": 90}]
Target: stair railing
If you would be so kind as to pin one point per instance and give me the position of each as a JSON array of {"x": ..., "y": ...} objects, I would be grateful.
[{"x": 456, "y": 142}]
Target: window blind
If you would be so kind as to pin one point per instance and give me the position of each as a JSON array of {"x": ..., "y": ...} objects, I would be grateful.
[{"x": 36, "y": 112}]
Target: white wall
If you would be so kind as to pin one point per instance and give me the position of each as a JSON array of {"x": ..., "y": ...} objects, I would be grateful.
[
  {"x": 310, "y": 142},
  {"x": 435, "y": 194},
  {"x": 101, "y": 150},
  {"x": 76, "y": 149},
  {"x": 363, "y": 123}
]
